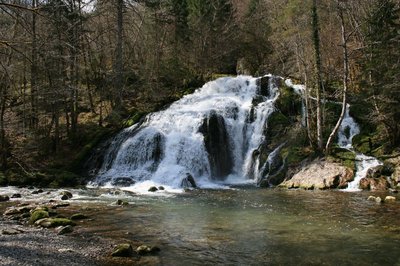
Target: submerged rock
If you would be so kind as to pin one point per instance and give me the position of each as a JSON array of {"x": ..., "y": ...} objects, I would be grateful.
[
  {"x": 16, "y": 196},
  {"x": 123, "y": 250},
  {"x": 78, "y": 216},
  {"x": 39, "y": 191},
  {"x": 66, "y": 195},
  {"x": 321, "y": 175},
  {"x": 123, "y": 182}
]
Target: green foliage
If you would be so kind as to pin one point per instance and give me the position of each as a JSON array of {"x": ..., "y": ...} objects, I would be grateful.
[{"x": 343, "y": 156}]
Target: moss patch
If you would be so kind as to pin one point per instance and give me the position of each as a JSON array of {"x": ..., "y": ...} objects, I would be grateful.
[
  {"x": 344, "y": 157},
  {"x": 37, "y": 215}
]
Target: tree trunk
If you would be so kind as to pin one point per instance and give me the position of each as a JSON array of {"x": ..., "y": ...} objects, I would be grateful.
[
  {"x": 318, "y": 78},
  {"x": 118, "y": 56},
  {"x": 345, "y": 80},
  {"x": 34, "y": 118}
]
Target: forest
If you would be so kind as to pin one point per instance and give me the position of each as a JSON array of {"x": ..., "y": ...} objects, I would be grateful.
[{"x": 74, "y": 72}]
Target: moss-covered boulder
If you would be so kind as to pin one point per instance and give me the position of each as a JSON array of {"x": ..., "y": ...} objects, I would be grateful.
[
  {"x": 123, "y": 250},
  {"x": 54, "y": 222},
  {"x": 37, "y": 215}
]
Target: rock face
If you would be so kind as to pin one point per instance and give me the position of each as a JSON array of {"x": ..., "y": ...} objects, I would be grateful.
[
  {"x": 321, "y": 175},
  {"x": 217, "y": 145}
]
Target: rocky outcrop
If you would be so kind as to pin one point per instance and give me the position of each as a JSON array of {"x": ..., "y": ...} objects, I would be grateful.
[
  {"x": 393, "y": 165},
  {"x": 320, "y": 175},
  {"x": 217, "y": 145},
  {"x": 374, "y": 184}
]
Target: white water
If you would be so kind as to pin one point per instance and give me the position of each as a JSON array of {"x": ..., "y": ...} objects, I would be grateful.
[
  {"x": 168, "y": 144},
  {"x": 348, "y": 129}
]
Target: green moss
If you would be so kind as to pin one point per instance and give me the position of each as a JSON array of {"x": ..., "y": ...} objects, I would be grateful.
[
  {"x": 295, "y": 154},
  {"x": 343, "y": 156},
  {"x": 289, "y": 103},
  {"x": 37, "y": 215},
  {"x": 55, "y": 222},
  {"x": 133, "y": 119}
]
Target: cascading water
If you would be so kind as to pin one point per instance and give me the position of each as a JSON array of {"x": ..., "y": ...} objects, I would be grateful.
[
  {"x": 348, "y": 129},
  {"x": 209, "y": 135}
]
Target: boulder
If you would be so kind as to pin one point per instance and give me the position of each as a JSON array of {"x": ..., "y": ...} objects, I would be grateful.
[
  {"x": 161, "y": 188},
  {"x": 16, "y": 196},
  {"x": 121, "y": 202},
  {"x": 65, "y": 195},
  {"x": 153, "y": 189},
  {"x": 188, "y": 181},
  {"x": 371, "y": 198},
  {"x": 54, "y": 222},
  {"x": 78, "y": 216},
  {"x": 145, "y": 250},
  {"x": 374, "y": 184},
  {"x": 62, "y": 230},
  {"x": 123, "y": 250},
  {"x": 37, "y": 191},
  {"x": 320, "y": 175},
  {"x": 390, "y": 199},
  {"x": 378, "y": 199},
  {"x": 37, "y": 215},
  {"x": 4, "y": 198}
]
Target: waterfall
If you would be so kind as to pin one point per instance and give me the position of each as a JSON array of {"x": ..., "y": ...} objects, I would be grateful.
[
  {"x": 348, "y": 129},
  {"x": 209, "y": 135}
]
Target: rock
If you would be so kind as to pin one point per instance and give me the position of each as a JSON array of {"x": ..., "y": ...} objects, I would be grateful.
[
  {"x": 54, "y": 222},
  {"x": 78, "y": 216},
  {"x": 60, "y": 205},
  {"x": 123, "y": 182},
  {"x": 394, "y": 191},
  {"x": 123, "y": 250},
  {"x": 188, "y": 181},
  {"x": 4, "y": 198},
  {"x": 371, "y": 198},
  {"x": 122, "y": 202},
  {"x": 216, "y": 141},
  {"x": 161, "y": 188},
  {"x": 66, "y": 195},
  {"x": 390, "y": 199},
  {"x": 374, "y": 172},
  {"x": 37, "y": 215},
  {"x": 374, "y": 184},
  {"x": 37, "y": 191},
  {"x": 18, "y": 210},
  {"x": 62, "y": 230},
  {"x": 378, "y": 199},
  {"x": 145, "y": 250},
  {"x": 16, "y": 196},
  {"x": 153, "y": 189},
  {"x": 320, "y": 175},
  {"x": 11, "y": 231}
]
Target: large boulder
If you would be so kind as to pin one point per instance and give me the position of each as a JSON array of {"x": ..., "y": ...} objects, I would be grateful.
[
  {"x": 394, "y": 164},
  {"x": 374, "y": 184},
  {"x": 216, "y": 141},
  {"x": 321, "y": 175}
]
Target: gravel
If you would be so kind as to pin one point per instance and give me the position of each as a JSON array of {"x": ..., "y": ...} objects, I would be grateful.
[{"x": 27, "y": 245}]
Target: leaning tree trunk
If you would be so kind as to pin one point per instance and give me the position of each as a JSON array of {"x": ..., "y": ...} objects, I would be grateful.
[
  {"x": 317, "y": 54},
  {"x": 345, "y": 81}
]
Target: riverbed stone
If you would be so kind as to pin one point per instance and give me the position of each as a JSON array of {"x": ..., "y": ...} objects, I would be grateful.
[
  {"x": 62, "y": 230},
  {"x": 54, "y": 222},
  {"x": 78, "y": 216},
  {"x": 37, "y": 215},
  {"x": 390, "y": 199},
  {"x": 16, "y": 196},
  {"x": 123, "y": 250},
  {"x": 378, "y": 199},
  {"x": 65, "y": 195},
  {"x": 145, "y": 250},
  {"x": 371, "y": 198},
  {"x": 321, "y": 174},
  {"x": 4, "y": 198}
]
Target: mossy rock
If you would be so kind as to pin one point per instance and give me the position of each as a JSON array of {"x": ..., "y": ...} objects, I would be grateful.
[
  {"x": 78, "y": 216},
  {"x": 123, "y": 250},
  {"x": 343, "y": 156},
  {"x": 133, "y": 119},
  {"x": 37, "y": 215},
  {"x": 54, "y": 222},
  {"x": 289, "y": 103}
]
